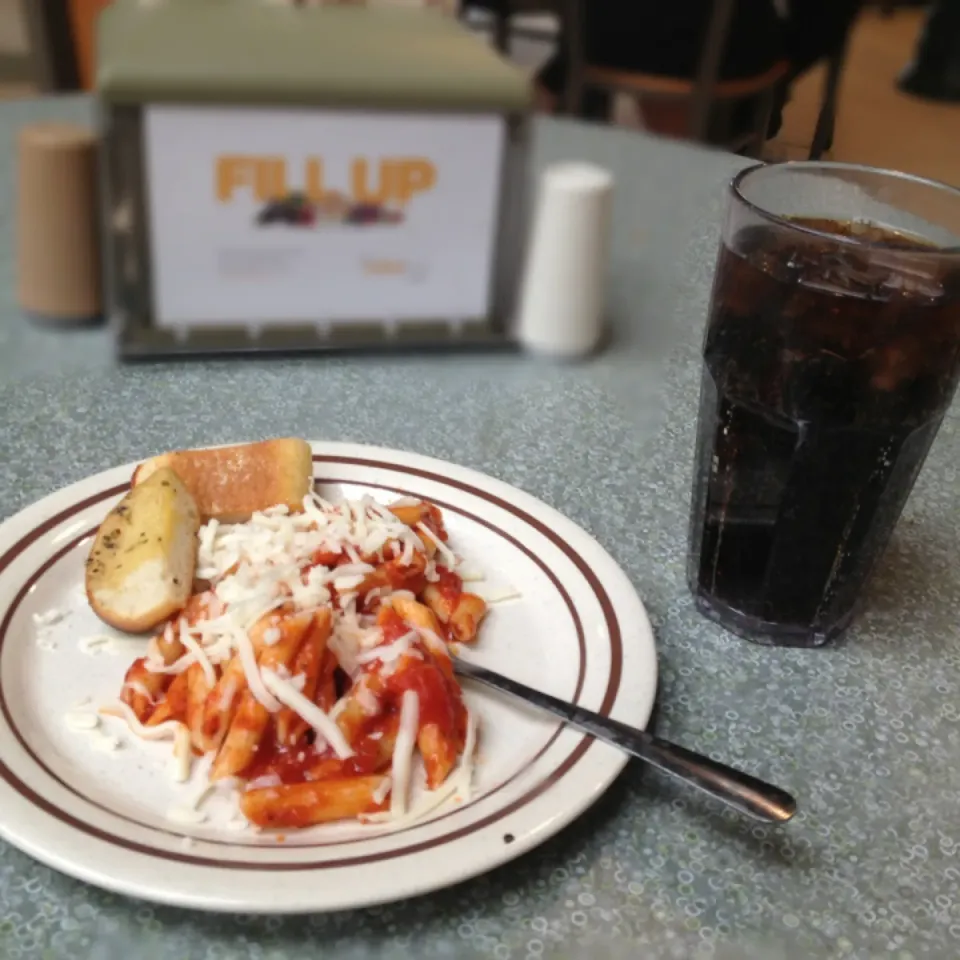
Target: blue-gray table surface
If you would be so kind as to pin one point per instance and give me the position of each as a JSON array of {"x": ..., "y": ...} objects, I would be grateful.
[{"x": 866, "y": 734}]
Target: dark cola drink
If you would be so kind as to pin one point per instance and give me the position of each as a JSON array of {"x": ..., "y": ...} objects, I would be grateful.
[{"x": 828, "y": 367}]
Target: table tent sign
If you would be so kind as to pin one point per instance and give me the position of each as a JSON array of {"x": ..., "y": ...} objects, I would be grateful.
[{"x": 297, "y": 179}]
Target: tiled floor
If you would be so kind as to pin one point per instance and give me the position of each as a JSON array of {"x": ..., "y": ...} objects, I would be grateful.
[{"x": 877, "y": 124}]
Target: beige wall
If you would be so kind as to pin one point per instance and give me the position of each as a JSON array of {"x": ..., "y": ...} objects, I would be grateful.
[{"x": 13, "y": 37}]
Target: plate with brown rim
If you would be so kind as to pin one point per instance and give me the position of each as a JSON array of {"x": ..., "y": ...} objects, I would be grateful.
[{"x": 95, "y": 804}]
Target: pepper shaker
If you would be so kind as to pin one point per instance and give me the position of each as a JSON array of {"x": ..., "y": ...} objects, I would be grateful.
[{"x": 58, "y": 230}]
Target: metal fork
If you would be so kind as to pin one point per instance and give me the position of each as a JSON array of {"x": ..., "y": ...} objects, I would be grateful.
[{"x": 743, "y": 792}]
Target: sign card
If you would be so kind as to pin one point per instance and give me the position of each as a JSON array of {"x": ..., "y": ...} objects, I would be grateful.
[{"x": 268, "y": 215}]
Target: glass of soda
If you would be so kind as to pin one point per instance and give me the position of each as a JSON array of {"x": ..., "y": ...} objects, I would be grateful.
[{"x": 831, "y": 354}]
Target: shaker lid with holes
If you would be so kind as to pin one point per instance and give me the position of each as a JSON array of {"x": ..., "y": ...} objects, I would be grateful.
[{"x": 262, "y": 52}]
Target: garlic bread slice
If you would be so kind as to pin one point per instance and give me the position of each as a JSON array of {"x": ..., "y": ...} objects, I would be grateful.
[{"x": 140, "y": 569}]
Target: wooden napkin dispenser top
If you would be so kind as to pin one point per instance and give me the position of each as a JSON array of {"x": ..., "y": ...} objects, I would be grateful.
[{"x": 296, "y": 179}]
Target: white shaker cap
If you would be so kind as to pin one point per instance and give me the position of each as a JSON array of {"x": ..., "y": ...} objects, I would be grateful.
[{"x": 562, "y": 300}]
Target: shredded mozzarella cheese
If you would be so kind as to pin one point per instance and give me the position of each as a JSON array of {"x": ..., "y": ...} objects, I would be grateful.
[
  {"x": 248, "y": 660},
  {"x": 458, "y": 785},
  {"x": 383, "y": 788},
  {"x": 424, "y": 806},
  {"x": 185, "y": 815},
  {"x": 433, "y": 642},
  {"x": 390, "y": 652},
  {"x": 402, "y": 764},
  {"x": 188, "y": 641},
  {"x": 79, "y": 720},
  {"x": 178, "y": 666},
  {"x": 366, "y": 699},
  {"x": 500, "y": 595},
  {"x": 182, "y": 754},
  {"x": 442, "y": 548},
  {"x": 290, "y": 697},
  {"x": 162, "y": 731},
  {"x": 267, "y": 780},
  {"x": 49, "y": 617}
]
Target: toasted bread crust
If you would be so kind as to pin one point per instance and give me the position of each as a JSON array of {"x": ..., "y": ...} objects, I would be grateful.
[
  {"x": 231, "y": 483},
  {"x": 143, "y": 624}
]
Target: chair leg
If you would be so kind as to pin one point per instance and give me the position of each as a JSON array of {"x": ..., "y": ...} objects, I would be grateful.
[
  {"x": 501, "y": 32},
  {"x": 761, "y": 124},
  {"x": 826, "y": 121},
  {"x": 711, "y": 57},
  {"x": 40, "y": 46},
  {"x": 571, "y": 30}
]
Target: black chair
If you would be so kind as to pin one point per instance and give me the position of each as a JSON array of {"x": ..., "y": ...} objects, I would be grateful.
[
  {"x": 708, "y": 98},
  {"x": 705, "y": 94}
]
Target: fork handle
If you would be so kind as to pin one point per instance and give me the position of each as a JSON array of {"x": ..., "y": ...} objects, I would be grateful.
[{"x": 740, "y": 790}]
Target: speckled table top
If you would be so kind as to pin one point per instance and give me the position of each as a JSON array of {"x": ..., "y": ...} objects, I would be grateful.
[{"x": 866, "y": 734}]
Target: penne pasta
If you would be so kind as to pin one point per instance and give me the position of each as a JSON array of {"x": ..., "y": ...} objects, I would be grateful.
[
  {"x": 359, "y": 707},
  {"x": 221, "y": 704},
  {"x": 174, "y": 705},
  {"x": 306, "y": 804},
  {"x": 142, "y": 688},
  {"x": 169, "y": 647},
  {"x": 326, "y": 693},
  {"x": 249, "y": 723},
  {"x": 415, "y": 614},
  {"x": 465, "y": 620},
  {"x": 460, "y": 612},
  {"x": 198, "y": 689},
  {"x": 422, "y": 512},
  {"x": 308, "y": 663},
  {"x": 313, "y": 667},
  {"x": 240, "y": 744},
  {"x": 439, "y": 752}
]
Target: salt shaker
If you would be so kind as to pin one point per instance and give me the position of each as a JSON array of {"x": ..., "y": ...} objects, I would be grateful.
[{"x": 562, "y": 301}]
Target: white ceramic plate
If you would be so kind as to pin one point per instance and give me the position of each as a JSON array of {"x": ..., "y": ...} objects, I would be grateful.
[{"x": 578, "y": 631}]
